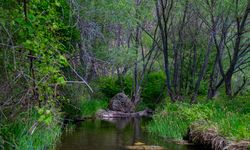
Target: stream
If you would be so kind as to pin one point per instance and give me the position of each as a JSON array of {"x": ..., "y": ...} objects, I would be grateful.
[{"x": 113, "y": 135}]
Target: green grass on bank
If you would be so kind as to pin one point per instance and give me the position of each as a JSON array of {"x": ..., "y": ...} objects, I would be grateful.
[
  {"x": 90, "y": 107},
  {"x": 40, "y": 128},
  {"x": 231, "y": 118},
  {"x": 34, "y": 129}
]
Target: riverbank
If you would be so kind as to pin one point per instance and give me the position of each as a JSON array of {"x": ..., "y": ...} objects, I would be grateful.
[
  {"x": 36, "y": 128},
  {"x": 115, "y": 134},
  {"x": 41, "y": 128},
  {"x": 230, "y": 119}
]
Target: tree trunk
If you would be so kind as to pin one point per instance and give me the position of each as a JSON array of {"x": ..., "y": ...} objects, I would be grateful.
[
  {"x": 203, "y": 69},
  {"x": 240, "y": 31},
  {"x": 228, "y": 85},
  {"x": 164, "y": 36}
]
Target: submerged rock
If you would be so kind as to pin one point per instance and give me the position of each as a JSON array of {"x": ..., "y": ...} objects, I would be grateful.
[{"x": 121, "y": 102}]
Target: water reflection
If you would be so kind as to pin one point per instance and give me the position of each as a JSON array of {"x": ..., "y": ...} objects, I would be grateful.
[{"x": 111, "y": 135}]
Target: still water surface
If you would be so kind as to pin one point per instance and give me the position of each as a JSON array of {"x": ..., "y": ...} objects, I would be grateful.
[{"x": 113, "y": 135}]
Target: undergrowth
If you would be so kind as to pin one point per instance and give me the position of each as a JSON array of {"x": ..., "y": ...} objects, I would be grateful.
[
  {"x": 90, "y": 107},
  {"x": 34, "y": 129},
  {"x": 231, "y": 118}
]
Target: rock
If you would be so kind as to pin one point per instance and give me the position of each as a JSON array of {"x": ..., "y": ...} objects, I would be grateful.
[{"x": 121, "y": 102}]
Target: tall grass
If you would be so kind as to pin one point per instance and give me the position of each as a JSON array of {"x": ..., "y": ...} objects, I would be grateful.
[
  {"x": 90, "y": 107},
  {"x": 227, "y": 117},
  {"x": 28, "y": 131}
]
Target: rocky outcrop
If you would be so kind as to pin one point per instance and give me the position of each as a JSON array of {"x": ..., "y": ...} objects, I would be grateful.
[{"x": 120, "y": 102}]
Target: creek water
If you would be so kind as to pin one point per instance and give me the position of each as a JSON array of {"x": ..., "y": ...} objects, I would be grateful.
[{"x": 113, "y": 135}]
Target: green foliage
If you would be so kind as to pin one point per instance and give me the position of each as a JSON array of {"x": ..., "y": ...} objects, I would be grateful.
[
  {"x": 43, "y": 38},
  {"x": 153, "y": 88},
  {"x": 83, "y": 108},
  {"x": 34, "y": 54},
  {"x": 203, "y": 88},
  {"x": 122, "y": 55},
  {"x": 100, "y": 11},
  {"x": 73, "y": 96},
  {"x": 174, "y": 119},
  {"x": 33, "y": 63},
  {"x": 78, "y": 103},
  {"x": 31, "y": 130},
  {"x": 90, "y": 107},
  {"x": 110, "y": 86}
]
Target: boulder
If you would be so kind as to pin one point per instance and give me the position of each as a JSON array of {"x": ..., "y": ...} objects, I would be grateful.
[{"x": 121, "y": 102}]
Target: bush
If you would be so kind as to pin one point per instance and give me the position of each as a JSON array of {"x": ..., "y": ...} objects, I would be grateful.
[
  {"x": 153, "y": 88},
  {"x": 203, "y": 88},
  {"x": 110, "y": 86}
]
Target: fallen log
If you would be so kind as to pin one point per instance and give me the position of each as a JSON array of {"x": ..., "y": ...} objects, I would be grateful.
[
  {"x": 118, "y": 114},
  {"x": 211, "y": 139}
]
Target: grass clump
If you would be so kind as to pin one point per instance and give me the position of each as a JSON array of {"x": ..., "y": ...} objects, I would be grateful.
[
  {"x": 173, "y": 120},
  {"x": 34, "y": 129}
]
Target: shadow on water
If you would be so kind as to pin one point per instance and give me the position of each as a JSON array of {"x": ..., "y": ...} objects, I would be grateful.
[{"x": 113, "y": 135}]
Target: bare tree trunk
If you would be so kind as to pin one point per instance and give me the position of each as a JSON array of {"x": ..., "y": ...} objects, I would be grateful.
[
  {"x": 163, "y": 26},
  {"x": 178, "y": 50},
  {"x": 212, "y": 87},
  {"x": 240, "y": 31},
  {"x": 203, "y": 69},
  {"x": 136, "y": 94},
  {"x": 194, "y": 65}
]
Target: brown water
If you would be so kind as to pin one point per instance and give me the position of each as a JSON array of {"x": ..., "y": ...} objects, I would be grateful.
[{"x": 113, "y": 135}]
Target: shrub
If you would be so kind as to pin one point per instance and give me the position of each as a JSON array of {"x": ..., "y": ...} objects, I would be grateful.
[
  {"x": 110, "y": 86},
  {"x": 153, "y": 88}
]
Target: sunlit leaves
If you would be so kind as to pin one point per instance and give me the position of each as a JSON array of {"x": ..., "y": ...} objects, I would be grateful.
[
  {"x": 42, "y": 39},
  {"x": 45, "y": 115}
]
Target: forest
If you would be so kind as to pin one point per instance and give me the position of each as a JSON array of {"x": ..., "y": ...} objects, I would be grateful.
[{"x": 182, "y": 64}]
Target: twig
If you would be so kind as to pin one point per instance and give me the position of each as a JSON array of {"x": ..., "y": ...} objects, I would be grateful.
[{"x": 81, "y": 79}]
